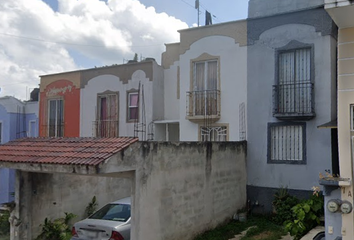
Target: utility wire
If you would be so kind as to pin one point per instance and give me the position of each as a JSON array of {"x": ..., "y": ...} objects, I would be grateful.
[{"x": 66, "y": 43}]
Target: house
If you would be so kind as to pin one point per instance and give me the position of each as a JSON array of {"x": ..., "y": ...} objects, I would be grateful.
[
  {"x": 291, "y": 90},
  {"x": 205, "y": 83},
  {"x": 111, "y": 101},
  {"x": 339, "y": 191},
  {"x": 18, "y": 119}
]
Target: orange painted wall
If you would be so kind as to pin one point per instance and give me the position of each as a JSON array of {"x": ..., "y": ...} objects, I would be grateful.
[{"x": 65, "y": 90}]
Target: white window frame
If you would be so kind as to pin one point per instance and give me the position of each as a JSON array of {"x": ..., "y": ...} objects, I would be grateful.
[
  {"x": 207, "y": 133},
  {"x": 129, "y": 106},
  {"x": 56, "y": 123},
  {"x": 29, "y": 134}
]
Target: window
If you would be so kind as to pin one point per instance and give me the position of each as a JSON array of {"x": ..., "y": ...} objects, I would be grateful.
[
  {"x": 286, "y": 143},
  {"x": 107, "y": 115},
  {"x": 214, "y": 134},
  {"x": 294, "y": 91},
  {"x": 55, "y": 118},
  {"x": 133, "y": 106},
  {"x": 32, "y": 128},
  {"x": 205, "y": 86}
]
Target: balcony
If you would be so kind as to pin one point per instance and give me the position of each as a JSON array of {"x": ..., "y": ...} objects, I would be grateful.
[
  {"x": 105, "y": 128},
  {"x": 53, "y": 130},
  {"x": 203, "y": 105},
  {"x": 294, "y": 101},
  {"x": 341, "y": 11}
]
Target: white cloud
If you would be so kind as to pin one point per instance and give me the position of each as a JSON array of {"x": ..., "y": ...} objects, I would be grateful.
[{"x": 32, "y": 37}]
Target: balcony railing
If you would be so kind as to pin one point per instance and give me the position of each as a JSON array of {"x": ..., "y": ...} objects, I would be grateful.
[
  {"x": 293, "y": 101},
  {"x": 203, "y": 104},
  {"x": 105, "y": 128},
  {"x": 53, "y": 130}
]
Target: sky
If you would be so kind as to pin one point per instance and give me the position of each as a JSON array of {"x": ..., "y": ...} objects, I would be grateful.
[{"x": 39, "y": 37}]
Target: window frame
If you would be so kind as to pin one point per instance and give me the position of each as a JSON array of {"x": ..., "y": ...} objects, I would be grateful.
[
  {"x": 98, "y": 121},
  {"x": 294, "y": 46},
  {"x": 269, "y": 143},
  {"x": 211, "y": 126},
  {"x": 128, "y": 119},
  {"x": 48, "y": 117}
]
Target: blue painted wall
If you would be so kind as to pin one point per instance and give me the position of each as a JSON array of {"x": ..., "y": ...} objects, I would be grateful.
[{"x": 14, "y": 125}]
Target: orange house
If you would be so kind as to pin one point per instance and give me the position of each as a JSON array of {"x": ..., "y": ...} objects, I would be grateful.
[{"x": 59, "y": 106}]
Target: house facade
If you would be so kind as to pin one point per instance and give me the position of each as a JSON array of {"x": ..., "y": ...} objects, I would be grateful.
[
  {"x": 205, "y": 85},
  {"x": 291, "y": 91},
  {"x": 339, "y": 191},
  {"x": 18, "y": 119},
  {"x": 119, "y": 100}
]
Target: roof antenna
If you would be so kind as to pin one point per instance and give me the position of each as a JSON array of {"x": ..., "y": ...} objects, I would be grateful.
[{"x": 197, "y": 7}]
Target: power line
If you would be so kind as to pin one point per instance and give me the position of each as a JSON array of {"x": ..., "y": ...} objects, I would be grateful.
[
  {"x": 188, "y": 3},
  {"x": 66, "y": 43}
]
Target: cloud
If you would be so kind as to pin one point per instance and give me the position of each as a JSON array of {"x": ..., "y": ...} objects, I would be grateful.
[{"x": 35, "y": 40}]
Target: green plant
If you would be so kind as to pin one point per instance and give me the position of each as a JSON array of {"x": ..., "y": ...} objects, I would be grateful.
[
  {"x": 58, "y": 229},
  {"x": 91, "y": 207},
  {"x": 282, "y": 204},
  {"x": 4, "y": 223},
  {"x": 305, "y": 216}
]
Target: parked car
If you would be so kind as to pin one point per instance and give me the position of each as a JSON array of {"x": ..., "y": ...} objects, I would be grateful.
[{"x": 111, "y": 222}]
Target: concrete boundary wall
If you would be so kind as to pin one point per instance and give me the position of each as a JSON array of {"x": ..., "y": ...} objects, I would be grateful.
[
  {"x": 178, "y": 189},
  {"x": 183, "y": 189}
]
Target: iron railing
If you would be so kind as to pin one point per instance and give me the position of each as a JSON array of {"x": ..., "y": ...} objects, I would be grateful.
[
  {"x": 53, "y": 130},
  {"x": 105, "y": 128},
  {"x": 293, "y": 100},
  {"x": 203, "y": 103}
]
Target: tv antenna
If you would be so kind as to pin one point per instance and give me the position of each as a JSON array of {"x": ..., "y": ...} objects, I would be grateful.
[{"x": 197, "y": 7}]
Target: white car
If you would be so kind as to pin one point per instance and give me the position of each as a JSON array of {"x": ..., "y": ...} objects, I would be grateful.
[{"x": 111, "y": 222}]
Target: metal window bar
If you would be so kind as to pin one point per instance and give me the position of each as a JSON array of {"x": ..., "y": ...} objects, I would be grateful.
[
  {"x": 213, "y": 134},
  {"x": 105, "y": 128},
  {"x": 203, "y": 103},
  {"x": 287, "y": 143},
  {"x": 54, "y": 130},
  {"x": 296, "y": 98}
]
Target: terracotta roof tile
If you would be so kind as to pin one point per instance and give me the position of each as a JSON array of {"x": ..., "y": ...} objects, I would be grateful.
[{"x": 66, "y": 151}]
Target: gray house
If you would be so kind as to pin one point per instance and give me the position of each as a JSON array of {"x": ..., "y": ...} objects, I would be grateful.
[{"x": 291, "y": 91}]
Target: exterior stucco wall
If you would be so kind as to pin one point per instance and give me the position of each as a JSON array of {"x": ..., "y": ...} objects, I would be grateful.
[
  {"x": 171, "y": 101},
  {"x": 261, "y": 8},
  {"x": 112, "y": 83},
  {"x": 261, "y": 78},
  {"x": 157, "y": 94},
  {"x": 54, "y": 194},
  {"x": 233, "y": 82}
]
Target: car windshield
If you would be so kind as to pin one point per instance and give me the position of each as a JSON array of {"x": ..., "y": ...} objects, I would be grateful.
[{"x": 113, "y": 212}]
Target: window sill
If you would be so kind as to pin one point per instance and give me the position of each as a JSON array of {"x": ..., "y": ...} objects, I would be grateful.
[
  {"x": 290, "y": 162},
  {"x": 294, "y": 116},
  {"x": 202, "y": 118}
]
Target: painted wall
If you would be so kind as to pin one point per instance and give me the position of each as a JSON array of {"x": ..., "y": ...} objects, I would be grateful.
[
  {"x": 261, "y": 78},
  {"x": 15, "y": 116},
  {"x": 153, "y": 98},
  {"x": 260, "y": 8},
  {"x": 66, "y": 90},
  {"x": 233, "y": 82},
  {"x": 223, "y": 41}
]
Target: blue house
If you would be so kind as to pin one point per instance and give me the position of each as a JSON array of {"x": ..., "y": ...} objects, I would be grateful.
[{"x": 18, "y": 119}]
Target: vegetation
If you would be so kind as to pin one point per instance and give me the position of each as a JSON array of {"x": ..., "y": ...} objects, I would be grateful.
[
  {"x": 4, "y": 223},
  {"x": 58, "y": 229},
  {"x": 305, "y": 216},
  {"x": 262, "y": 228},
  {"x": 91, "y": 207},
  {"x": 283, "y": 203}
]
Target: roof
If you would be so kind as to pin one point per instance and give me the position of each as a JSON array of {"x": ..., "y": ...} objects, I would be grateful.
[
  {"x": 64, "y": 151},
  {"x": 126, "y": 200},
  {"x": 331, "y": 124}
]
